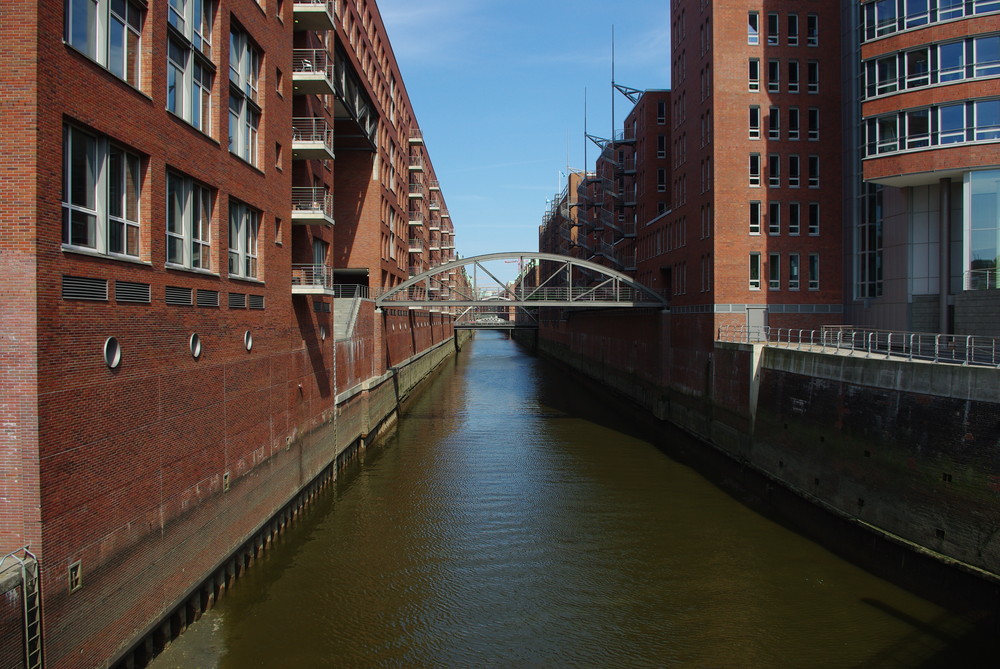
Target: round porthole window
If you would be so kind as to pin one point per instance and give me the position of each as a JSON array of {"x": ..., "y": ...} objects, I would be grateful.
[
  {"x": 248, "y": 340},
  {"x": 195, "y": 345},
  {"x": 322, "y": 332},
  {"x": 112, "y": 352}
]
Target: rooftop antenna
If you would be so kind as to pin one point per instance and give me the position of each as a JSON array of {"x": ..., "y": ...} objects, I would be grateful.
[
  {"x": 585, "y": 135},
  {"x": 612, "y": 135}
]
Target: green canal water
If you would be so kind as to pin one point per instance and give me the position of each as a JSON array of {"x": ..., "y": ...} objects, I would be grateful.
[{"x": 515, "y": 521}]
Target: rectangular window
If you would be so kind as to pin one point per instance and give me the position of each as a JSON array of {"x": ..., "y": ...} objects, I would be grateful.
[
  {"x": 868, "y": 241},
  {"x": 918, "y": 128},
  {"x": 189, "y": 223},
  {"x": 812, "y": 76},
  {"x": 773, "y": 170},
  {"x": 793, "y": 76},
  {"x": 793, "y": 271},
  {"x": 951, "y": 124},
  {"x": 987, "y": 54},
  {"x": 119, "y": 25},
  {"x": 987, "y": 119},
  {"x": 754, "y": 169},
  {"x": 814, "y": 218},
  {"x": 918, "y": 68},
  {"x": 951, "y": 62},
  {"x": 794, "y": 218},
  {"x": 813, "y": 271},
  {"x": 243, "y": 227},
  {"x": 774, "y": 218},
  {"x": 812, "y": 30},
  {"x": 774, "y": 123},
  {"x": 190, "y": 73},
  {"x": 754, "y": 271},
  {"x": 753, "y": 28},
  {"x": 886, "y": 133},
  {"x": 793, "y": 123},
  {"x": 793, "y": 30},
  {"x": 774, "y": 271},
  {"x": 793, "y": 171},
  {"x": 812, "y": 128},
  {"x": 917, "y": 13},
  {"x": 754, "y": 122},
  {"x": 661, "y": 179},
  {"x": 814, "y": 171},
  {"x": 773, "y": 29},
  {"x": 661, "y": 146},
  {"x": 244, "y": 110},
  {"x": 100, "y": 202},
  {"x": 755, "y": 217},
  {"x": 661, "y": 112},
  {"x": 950, "y": 9},
  {"x": 753, "y": 76},
  {"x": 774, "y": 75}
]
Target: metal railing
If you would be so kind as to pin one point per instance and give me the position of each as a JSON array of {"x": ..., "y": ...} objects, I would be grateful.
[
  {"x": 320, "y": 276},
  {"x": 416, "y": 135},
  {"x": 312, "y": 129},
  {"x": 312, "y": 61},
  {"x": 415, "y": 217},
  {"x": 417, "y": 187},
  {"x": 312, "y": 200},
  {"x": 981, "y": 279},
  {"x": 925, "y": 346},
  {"x": 416, "y": 245},
  {"x": 416, "y": 162},
  {"x": 351, "y": 290}
]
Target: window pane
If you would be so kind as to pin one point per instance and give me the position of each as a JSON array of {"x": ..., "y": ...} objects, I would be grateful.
[
  {"x": 951, "y": 120},
  {"x": 988, "y": 119},
  {"x": 951, "y": 61},
  {"x": 83, "y": 169},
  {"x": 82, "y": 26}
]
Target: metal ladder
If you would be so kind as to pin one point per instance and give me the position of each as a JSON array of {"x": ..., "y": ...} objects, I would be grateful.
[{"x": 31, "y": 598}]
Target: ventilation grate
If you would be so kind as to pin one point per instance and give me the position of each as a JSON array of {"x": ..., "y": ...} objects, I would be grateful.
[
  {"x": 83, "y": 288},
  {"x": 237, "y": 301},
  {"x": 178, "y": 296},
  {"x": 256, "y": 301},
  {"x": 131, "y": 291},
  {"x": 208, "y": 298}
]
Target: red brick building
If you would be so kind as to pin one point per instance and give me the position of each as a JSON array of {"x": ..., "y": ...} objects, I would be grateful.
[{"x": 173, "y": 170}]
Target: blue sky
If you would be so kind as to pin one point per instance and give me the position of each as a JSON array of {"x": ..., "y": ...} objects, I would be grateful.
[{"x": 498, "y": 91}]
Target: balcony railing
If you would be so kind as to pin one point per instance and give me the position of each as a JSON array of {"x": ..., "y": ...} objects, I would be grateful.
[
  {"x": 313, "y": 14},
  {"x": 845, "y": 339},
  {"x": 312, "y": 72},
  {"x": 416, "y": 245},
  {"x": 350, "y": 290},
  {"x": 434, "y": 185},
  {"x": 312, "y": 279},
  {"x": 416, "y": 163},
  {"x": 981, "y": 279},
  {"x": 416, "y": 217},
  {"x": 312, "y": 139},
  {"x": 416, "y": 137},
  {"x": 416, "y": 190},
  {"x": 312, "y": 206}
]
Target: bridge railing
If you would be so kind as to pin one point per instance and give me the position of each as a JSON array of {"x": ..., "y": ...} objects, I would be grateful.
[
  {"x": 926, "y": 346},
  {"x": 613, "y": 293}
]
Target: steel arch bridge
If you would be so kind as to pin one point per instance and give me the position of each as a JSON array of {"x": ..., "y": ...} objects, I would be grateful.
[{"x": 486, "y": 307}]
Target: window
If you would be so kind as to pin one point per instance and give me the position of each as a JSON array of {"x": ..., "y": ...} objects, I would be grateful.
[
  {"x": 661, "y": 179},
  {"x": 917, "y": 13},
  {"x": 754, "y": 169},
  {"x": 812, "y": 76},
  {"x": 100, "y": 202},
  {"x": 886, "y": 134},
  {"x": 813, "y": 271},
  {"x": 773, "y": 29},
  {"x": 918, "y": 68},
  {"x": 987, "y": 119},
  {"x": 951, "y": 62},
  {"x": 661, "y": 112},
  {"x": 868, "y": 240},
  {"x": 244, "y": 112},
  {"x": 774, "y": 271},
  {"x": 755, "y": 217},
  {"x": 661, "y": 146},
  {"x": 773, "y": 75},
  {"x": 189, "y": 69},
  {"x": 814, "y": 171},
  {"x": 814, "y": 218},
  {"x": 793, "y": 30},
  {"x": 951, "y": 124},
  {"x": 880, "y": 18},
  {"x": 812, "y": 128},
  {"x": 754, "y": 271},
  {"x": 774, "y": 123},
  {"x": 793, "y": 271},
  {"x": 753, "y": 28},
  {"x": 754, "y": 74},
  {"x": 793, "y": 76},
  {"x": 774, "y": 218},
  {"x": 243, "y": 226},
  {"x": 918, "y": 129},
  {"x": 882, "y": 76},
  {"x": 109, "y": 32},
  {"x": 987, "y": 54},
  {"x": 950, "y": 9},
  {"x": 754, "y": 122},
  {"x": 189, "y": 223},
  {"x": 793, "y": 123},
  {"x": 793, "y": 171},
  {"x": 773, "y": 170},
  {"x": 812, "y": 30},
  {"x": 794, "y": 218}
]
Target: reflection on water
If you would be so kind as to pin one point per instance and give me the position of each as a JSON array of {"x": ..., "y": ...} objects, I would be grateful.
[{"x": 511, "y": 521}]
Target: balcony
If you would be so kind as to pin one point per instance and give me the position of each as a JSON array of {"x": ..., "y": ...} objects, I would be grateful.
[
  {"x": 312, "y": 280},
  {"x": 416, "y": 137},
  {"x": 416, "y": 217},
  {"x": 434, "y": 186},
  {"x": 434, "y": 226},
  {"x": 416, "y": 245},
  {"x": 416, "y": 163},
  {"x": 445, "y": 214},
  {"x": 313, "y": 14},
  {"x": 415, "y": 270},
  {"x": 312, "y": 139},
  {"x": 312, "y": 206},
  {"x": 417, "y": 191},
  {"x": 312, "y": 72},
  {"x": 434, "y": 205}
]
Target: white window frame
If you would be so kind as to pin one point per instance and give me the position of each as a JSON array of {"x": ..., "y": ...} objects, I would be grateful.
[
  {"x": 753, "y": 75},
  {"x": 794, "y": 171},
  {"x": 774, "y": 123},
  {"x": 754, "y": 122},
  {"x": 793, "y": 271},
  {"x": 774, "y": 271},
  {"x": 794, "y": 76},
  {"x": 94, "y": 28},
  {"x": 773, "y": 170},
  {"x": 773, "y": 36},
  {"x": 813, "y": 165},
  {"x": 753, "y": 27},
  {"x": 814, "y": 219},
  {"x": 190, "y": 71},
  {"x": 754, "y": 168},
  {"x": 96, "y": 214},
  {"x": 794, "y": 123},
  {"x": 813, "y": 271},
  {"x": 812, "y": 82},
  {"x": 244, "y": 226},
  {"x": 793, "y": 29},
  {"x": 754, "y": 269},
  {"x": 755, "y": 217},
  {"x": 812, "y": 30},
  {"x": 794, "y": 219},
  {"x": 244, "y": 110},
  {"x": 774, "y": 219},
  {"x": 773, "y": 82},
  {"x": 189, "y": 223}
]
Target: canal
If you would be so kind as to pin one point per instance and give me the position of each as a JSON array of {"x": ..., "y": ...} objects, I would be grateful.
[{"x": 512, "y": 520}]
